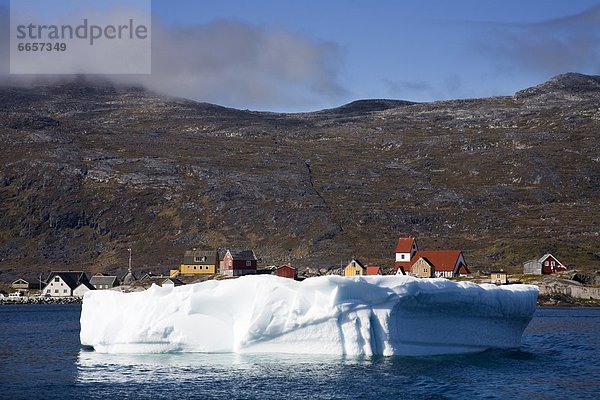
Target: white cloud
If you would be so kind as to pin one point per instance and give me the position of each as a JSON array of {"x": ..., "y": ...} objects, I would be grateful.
[
  {"x": 233, "y": 64},
  {"x": 549, "y": 47}
]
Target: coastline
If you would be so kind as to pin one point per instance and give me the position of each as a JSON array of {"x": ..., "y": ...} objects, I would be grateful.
[{"x": 544, "y": 300}]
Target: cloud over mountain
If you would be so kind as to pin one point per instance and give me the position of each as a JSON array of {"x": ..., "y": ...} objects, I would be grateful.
[
  {"x": 226, "y": 62},
  {"x": 547, "y": 47}
]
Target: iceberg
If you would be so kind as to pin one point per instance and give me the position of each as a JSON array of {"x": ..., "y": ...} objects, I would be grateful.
[{"x": 371, "y": 315}]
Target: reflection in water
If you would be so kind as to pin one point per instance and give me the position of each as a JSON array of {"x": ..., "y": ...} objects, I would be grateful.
[
  {"x": 218, "y": 375},
  {"x": 123, "y": 368},
  {"x": 281, "y": 375}
]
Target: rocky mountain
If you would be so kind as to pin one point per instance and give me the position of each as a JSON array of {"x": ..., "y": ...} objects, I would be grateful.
[{"x": 89, "y": 170}]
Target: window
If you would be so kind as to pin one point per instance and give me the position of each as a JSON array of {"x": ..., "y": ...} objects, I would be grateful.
[
  {"x": 248, "y": 263},
  {"x": 497, "y": 276},
  {"x": 553, "y": 263},
  {"x": 546, "y": 263},
  {"x": 55, "y": 290},
  {"x": 64, "y": 290},
  {"x": 57, "y": 279},
  {"x": 403, "y": 256}
]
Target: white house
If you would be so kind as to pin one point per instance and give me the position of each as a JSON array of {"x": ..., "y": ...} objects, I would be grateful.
[
  {"x": 82, "y": 289},
  {"x": 62, "y": 283},
  {"x": 171, "y": 282},
  {"x": 405, "y": 253}
]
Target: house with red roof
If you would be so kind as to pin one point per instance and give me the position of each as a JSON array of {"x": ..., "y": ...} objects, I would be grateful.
[
  {"x": 286, "y": 271},
  {"x": 373, "y": 270},
  {"x": 405, "y": 251},
  {"x": 439, "y": 263},
  {"x": 357, "y": 268}
]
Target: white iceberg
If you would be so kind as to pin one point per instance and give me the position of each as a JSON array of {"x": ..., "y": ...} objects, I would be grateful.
[{"x": 375, "y": 315}]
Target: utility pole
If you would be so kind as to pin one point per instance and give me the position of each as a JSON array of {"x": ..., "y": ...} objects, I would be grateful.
[{"x": 129, "y": 268}]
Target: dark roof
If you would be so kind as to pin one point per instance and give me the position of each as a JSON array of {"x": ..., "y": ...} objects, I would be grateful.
[
  {"x": 71, "y": 278},
  {"x": 247, "y": 255},
  {"x": 128, "y": 278},
  {"x": 208, "y": 257},
  {"x": 148, "y": 276},
  {"x": 88, "y": 285},
  {"x": 103, "y": 280},
  {"x": 357, "y": 261},
  {"x": 175, "y": 281}
]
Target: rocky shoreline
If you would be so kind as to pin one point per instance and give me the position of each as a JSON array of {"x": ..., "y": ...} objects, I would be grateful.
[{"x": 41, "y": 300}]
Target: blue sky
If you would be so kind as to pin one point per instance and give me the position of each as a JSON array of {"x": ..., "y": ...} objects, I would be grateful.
[
  {"x": 416, "y": 50},
  {"x": 308, "y": 55}
]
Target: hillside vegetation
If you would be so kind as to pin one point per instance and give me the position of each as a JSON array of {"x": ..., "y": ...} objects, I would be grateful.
[{"x": 89, "y": 170}]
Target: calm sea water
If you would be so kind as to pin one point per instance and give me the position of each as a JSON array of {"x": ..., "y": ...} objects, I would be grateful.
[{"x": 40, "y": 358}]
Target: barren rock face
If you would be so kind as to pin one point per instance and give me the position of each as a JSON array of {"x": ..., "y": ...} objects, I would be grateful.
[{"x": 89, "y": 170}]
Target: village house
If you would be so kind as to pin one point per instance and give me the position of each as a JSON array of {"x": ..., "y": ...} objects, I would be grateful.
[
  {"x": 550, "y": 264},
  {"x": 197, "y": 262},
  {"x": 100, "y": 281},
  {"x": 547, "y": 264},
  {"x": 444, "y": 263},
  {"x": 239, "y": 263},
  {"x": 129, "y": 278},
  {"x": 405, "y": 252},
  {"x": 171, "y": 282},
  {"x": 422, "y": 268},
  {"x": 373, "y": 270},
  {"x": 357, "y": 268},
  {"x": 354, "y": 268},
  {"x": 151, "y": 277},
  {"x": 63, "y": 283},
  {"x": 20, "y": 284},
  {"x": 82, "y": 289},
  {"x": 532, "y": 267},
  {"x": 286, "y": 271},
  {"x": 499, "y": 277}
]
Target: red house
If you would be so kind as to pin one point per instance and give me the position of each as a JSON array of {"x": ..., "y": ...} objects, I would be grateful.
[
  {"x": 238, "y": 263},
  {"x": 405, "y": 252},
  {"x": 550, "y": 264},
  {"x": 286, "y": 271},
  {"x": 373, "y": 270},
  {"x": 446, "y": 263}
]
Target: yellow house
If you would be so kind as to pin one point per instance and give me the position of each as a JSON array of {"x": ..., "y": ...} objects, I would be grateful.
[
  {"x": 197, "y": 262},
  {"x": 422, "y": 268},
  {"x": 354, "y": 268},
  {"x": 499, "y": 277}
]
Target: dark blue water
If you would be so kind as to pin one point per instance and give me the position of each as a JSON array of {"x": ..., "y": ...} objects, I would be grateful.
[{"x": 40, "y": 358}]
